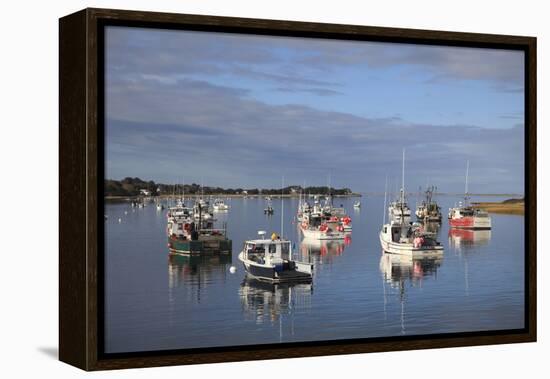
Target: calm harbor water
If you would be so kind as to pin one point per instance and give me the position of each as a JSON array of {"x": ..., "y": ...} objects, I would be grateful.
[{"x": 155, "y": 301}]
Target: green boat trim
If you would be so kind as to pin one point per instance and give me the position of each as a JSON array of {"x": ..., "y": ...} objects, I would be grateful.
[{"x": 204, "y": 245}]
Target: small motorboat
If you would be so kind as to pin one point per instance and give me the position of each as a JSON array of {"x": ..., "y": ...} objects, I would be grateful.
[
  {"x": 271, "y": 260},
  {"x": 220, "y": 206}
]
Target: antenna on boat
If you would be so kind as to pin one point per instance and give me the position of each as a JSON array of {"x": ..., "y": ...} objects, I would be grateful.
[{"x": 282, "y": 207}]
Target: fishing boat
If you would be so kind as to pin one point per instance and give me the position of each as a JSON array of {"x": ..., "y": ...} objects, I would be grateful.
[
  {"x": 271, "y": 260},
  {"x": 220, "y": 205},
  {"x": 316, "y": 225},
  {"x": 429, "y": 210},
  {"x": 402, "y": 237},
  {"x": 464, "y": 216},
  {"x": 408, "y": 239},
  {"x": 467, "y": 217},
  {"x": 331, "y": 213},
  {"x": 189, "y": 235}
]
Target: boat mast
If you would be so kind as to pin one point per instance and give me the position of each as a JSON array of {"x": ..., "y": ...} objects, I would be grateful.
[
  {"x": 403, "y": 180},
  {"x": 385, "y": 196},
  {"x": 282, "y": 206},
  {"x": 402, "y": 205},
  {"x": 466, "y": 187},
  {"x": 329, "y": 194}
]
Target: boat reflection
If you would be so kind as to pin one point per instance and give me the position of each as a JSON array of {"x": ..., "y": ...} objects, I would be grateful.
[
  {"x": 432, "y": 227},
  {"x": 466, "y": 242},
  {"x": 263, "y": 301},
  {"x": 468, "y": 239},
  {"x": 397, "y": 269},
  {"x": 196, "y": 269},
  {"x": 401, "y": 271},
  {"x": 315, "y": 250}
]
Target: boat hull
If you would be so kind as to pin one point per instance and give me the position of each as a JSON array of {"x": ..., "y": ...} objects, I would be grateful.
[
  {"x": 319, "y": 235},
  {"x": 477, "y": 223},
  {"x": 408, "y": 248},
  {"x": 199, "y": 247},
  {"x": 275, "y": 274}
]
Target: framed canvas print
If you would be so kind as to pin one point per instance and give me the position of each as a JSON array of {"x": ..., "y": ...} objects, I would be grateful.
[{"x": 240, "y": 189}]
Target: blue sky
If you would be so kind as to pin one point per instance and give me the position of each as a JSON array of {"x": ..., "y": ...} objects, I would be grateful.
[{"x": 242, "y": 111}]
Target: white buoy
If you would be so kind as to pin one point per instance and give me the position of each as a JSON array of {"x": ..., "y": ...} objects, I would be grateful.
[
  {"x": 232, "y": 269},
  {"x": 125, "y": 212},
  {"x": 119, "y": 219}
]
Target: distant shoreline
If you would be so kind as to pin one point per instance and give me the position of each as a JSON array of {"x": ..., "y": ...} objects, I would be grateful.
[
  {"x": 510, "y": 206},
  {"x": 220, "y": 195}
]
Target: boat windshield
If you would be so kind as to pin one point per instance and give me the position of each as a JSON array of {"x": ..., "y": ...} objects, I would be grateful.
[{"x": 255, "y": 252}]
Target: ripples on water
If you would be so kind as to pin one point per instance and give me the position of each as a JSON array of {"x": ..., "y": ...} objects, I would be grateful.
[{"x": 158, "y": 301}]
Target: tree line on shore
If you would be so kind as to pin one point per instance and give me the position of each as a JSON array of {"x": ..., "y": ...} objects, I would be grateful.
[{"x": 136, "y": 186}]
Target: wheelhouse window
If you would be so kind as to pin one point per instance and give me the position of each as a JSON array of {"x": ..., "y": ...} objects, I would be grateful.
[{"x": 285, "y": 250}]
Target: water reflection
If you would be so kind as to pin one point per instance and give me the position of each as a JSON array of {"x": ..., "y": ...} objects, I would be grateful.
[
  {"x": 432, "y": 227},
  {"x": 196, "y": 269},
  {"x": 263, "y": 301},
  {"x": 465, "y": 242},
  {"x": 398, "y": 269},
  {"x": 315, "y": 251},
  {"x": 467, "y": 239}
]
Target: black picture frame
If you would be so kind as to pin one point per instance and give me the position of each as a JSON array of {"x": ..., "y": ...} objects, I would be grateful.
[{"x": 81, "y": 187}]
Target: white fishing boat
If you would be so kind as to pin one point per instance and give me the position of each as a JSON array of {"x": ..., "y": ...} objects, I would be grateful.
[
  {"x": 408, "y": 239},
  {"x": 271, "y": 260},
  {"x": 400, "y": 237},
  {"x": 220, "y": 205},
  {"x": 316, "y": 225}
]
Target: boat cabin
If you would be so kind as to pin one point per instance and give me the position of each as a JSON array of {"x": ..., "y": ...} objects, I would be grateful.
[{"x": 267, "y": 251}]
